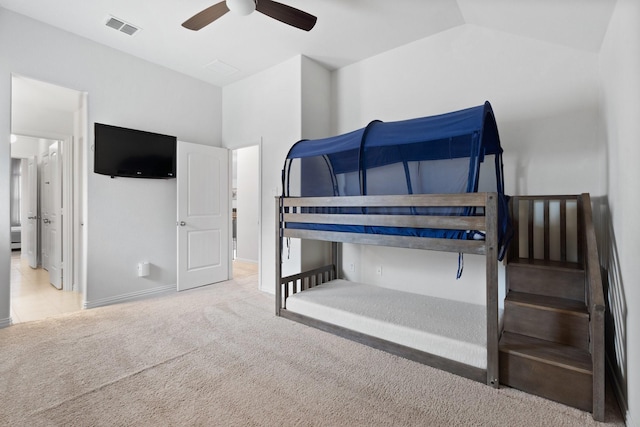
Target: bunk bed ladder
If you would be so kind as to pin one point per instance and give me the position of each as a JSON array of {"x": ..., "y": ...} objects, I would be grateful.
[{"x": 552, "y": 343}]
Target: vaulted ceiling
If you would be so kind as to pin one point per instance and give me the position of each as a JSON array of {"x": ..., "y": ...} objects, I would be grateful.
[{"x": 347, "y": 31}]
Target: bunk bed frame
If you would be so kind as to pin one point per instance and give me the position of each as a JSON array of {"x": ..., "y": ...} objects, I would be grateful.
[{"x": 290, "y": 210}]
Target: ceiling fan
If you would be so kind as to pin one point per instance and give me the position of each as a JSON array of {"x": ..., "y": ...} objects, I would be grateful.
[{"x": 283, "y": 13}]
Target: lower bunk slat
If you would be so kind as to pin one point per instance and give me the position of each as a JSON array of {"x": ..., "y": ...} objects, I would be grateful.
[{"x": 457, "y": 368}]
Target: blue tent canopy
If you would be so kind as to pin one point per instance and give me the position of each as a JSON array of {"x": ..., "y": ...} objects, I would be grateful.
[
  {"x": 474, "y": 125},
  {"x": 436, "y": 154}
]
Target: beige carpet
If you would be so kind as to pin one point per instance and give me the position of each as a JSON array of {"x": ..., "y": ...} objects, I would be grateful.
[{"x": 217, "y": 356}]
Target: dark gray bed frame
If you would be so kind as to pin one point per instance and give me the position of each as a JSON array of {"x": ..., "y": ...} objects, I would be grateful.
[{"x": 290, "y": 210}]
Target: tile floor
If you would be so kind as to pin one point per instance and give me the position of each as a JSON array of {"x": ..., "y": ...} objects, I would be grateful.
[
  {"x": 33, "y": 297},
  {"x": 243, "y": 269}
]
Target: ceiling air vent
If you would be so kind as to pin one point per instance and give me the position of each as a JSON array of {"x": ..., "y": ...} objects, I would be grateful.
[
  {"x": 221, "y": 68},
  {"x": 120, "y": 25}
]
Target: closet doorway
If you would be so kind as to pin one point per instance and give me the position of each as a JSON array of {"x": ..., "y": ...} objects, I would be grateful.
[{"x": 245, "y": 211}]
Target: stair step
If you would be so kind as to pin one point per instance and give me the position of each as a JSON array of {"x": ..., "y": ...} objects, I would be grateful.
[
  {"x": 557, "y": 372},
  {"x": 550, "y": 278},
  {"x": 546, "y": 264},
  {"x": 553, "y": 319},
  {"x": 561, "y": 355},
  {"x": 551, "y": 303}
]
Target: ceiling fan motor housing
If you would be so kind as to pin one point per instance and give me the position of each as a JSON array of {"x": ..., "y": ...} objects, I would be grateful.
[{"x": 241, "y": 7}]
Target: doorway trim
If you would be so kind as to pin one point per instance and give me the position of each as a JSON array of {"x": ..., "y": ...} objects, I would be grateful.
[
  {"x": 259, "y": 144},
  {"x": 74, "y": 191},
  {"x": 68, "y": 174}
]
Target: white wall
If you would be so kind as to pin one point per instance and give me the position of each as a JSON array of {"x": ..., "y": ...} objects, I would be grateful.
[
  {"x": 5, "y": 184},
  {"x": 248, "y": 203},
  {"x": 277, "y": 105},
  {"x": 315, "y": 99},
  {"x": 128, "y": 220},
  {"x": 620, "y": 64},
  {"x": 316, "y": 123},
  {"x": 265, "y": 106},
  {"x": 545, "y": 98}
]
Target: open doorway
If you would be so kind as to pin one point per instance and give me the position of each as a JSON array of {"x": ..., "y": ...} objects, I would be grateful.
[
  {"x": 48, "y": 125},
  {"x": 37, "y": 230},
  {"x": 245, "y": 211}
]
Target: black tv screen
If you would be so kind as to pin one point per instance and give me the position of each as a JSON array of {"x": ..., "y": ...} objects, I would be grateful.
[{"x": 133, "y": 153}]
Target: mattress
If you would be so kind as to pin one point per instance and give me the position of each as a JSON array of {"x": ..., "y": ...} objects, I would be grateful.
[{"x": 451, "y": 329}]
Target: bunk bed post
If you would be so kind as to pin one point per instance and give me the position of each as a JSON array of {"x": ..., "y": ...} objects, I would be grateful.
[
  {"x": 278, "y": 274},
  {"x": 491, "y": 245},
  {"x": 595, "y": 304}
]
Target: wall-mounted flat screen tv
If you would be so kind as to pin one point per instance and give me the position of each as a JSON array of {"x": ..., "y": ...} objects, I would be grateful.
[{"x": 133, "y": 153}]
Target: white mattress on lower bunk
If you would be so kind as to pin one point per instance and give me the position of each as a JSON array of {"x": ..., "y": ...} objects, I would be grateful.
[{"x": 451, "y": 329}]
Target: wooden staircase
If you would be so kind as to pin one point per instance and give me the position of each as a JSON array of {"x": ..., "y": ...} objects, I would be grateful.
[{"x": 552, "y": 344}]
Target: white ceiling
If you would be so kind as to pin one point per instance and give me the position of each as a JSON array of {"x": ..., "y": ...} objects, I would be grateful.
[
  {"x": 347, "y": 31},
  {"x": 42, "y": 109}
]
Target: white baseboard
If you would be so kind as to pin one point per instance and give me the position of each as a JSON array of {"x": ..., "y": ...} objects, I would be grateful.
[
  {"x": 133, "y": 296},
  {"x": 5, "y": 322}
]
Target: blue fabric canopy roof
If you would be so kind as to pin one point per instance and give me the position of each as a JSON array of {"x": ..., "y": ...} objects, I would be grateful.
[{"x": 452, "y": 135}]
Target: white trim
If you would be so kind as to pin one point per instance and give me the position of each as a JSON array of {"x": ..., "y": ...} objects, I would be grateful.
[
  {"x": 133, "y": 296},
  {"x": 67, "y": 214},
  {"x": 239, "y": 147},
  {"x": 230, "y": 204},
  {"x": 81, "y": 195},
  {"x": 5, "y": 322},
  {"x": 260, "y": 213}
]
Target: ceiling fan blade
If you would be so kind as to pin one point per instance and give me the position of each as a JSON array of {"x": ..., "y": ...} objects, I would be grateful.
[
  {"x": 206, "y": 17},
  {"x": 287, "y": 14}
]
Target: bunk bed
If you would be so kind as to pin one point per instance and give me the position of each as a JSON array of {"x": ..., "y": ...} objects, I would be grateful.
[{"x": 418, "y": 184}]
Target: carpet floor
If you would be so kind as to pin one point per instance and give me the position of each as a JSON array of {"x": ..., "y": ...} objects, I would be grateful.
[{"x": 218, "y": 356}]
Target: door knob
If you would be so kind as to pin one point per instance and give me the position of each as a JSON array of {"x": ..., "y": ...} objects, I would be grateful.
[{"x": 182, "y": 223}]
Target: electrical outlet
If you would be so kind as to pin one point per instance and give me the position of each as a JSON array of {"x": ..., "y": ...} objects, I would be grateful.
[
  {"x": 379, "y": 270},
  {"x": 352, "y": 267}
]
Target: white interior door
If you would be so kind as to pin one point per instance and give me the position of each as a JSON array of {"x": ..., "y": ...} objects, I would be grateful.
[
  {"x": 45, "y": 206},
  {"x": 30, "y": 241},
  {"x": 203, "y": 215},
  {"x": 55, "y": 220}
]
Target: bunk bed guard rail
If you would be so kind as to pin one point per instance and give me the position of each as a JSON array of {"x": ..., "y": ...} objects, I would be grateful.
[{"x": 301, "y": 210}]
